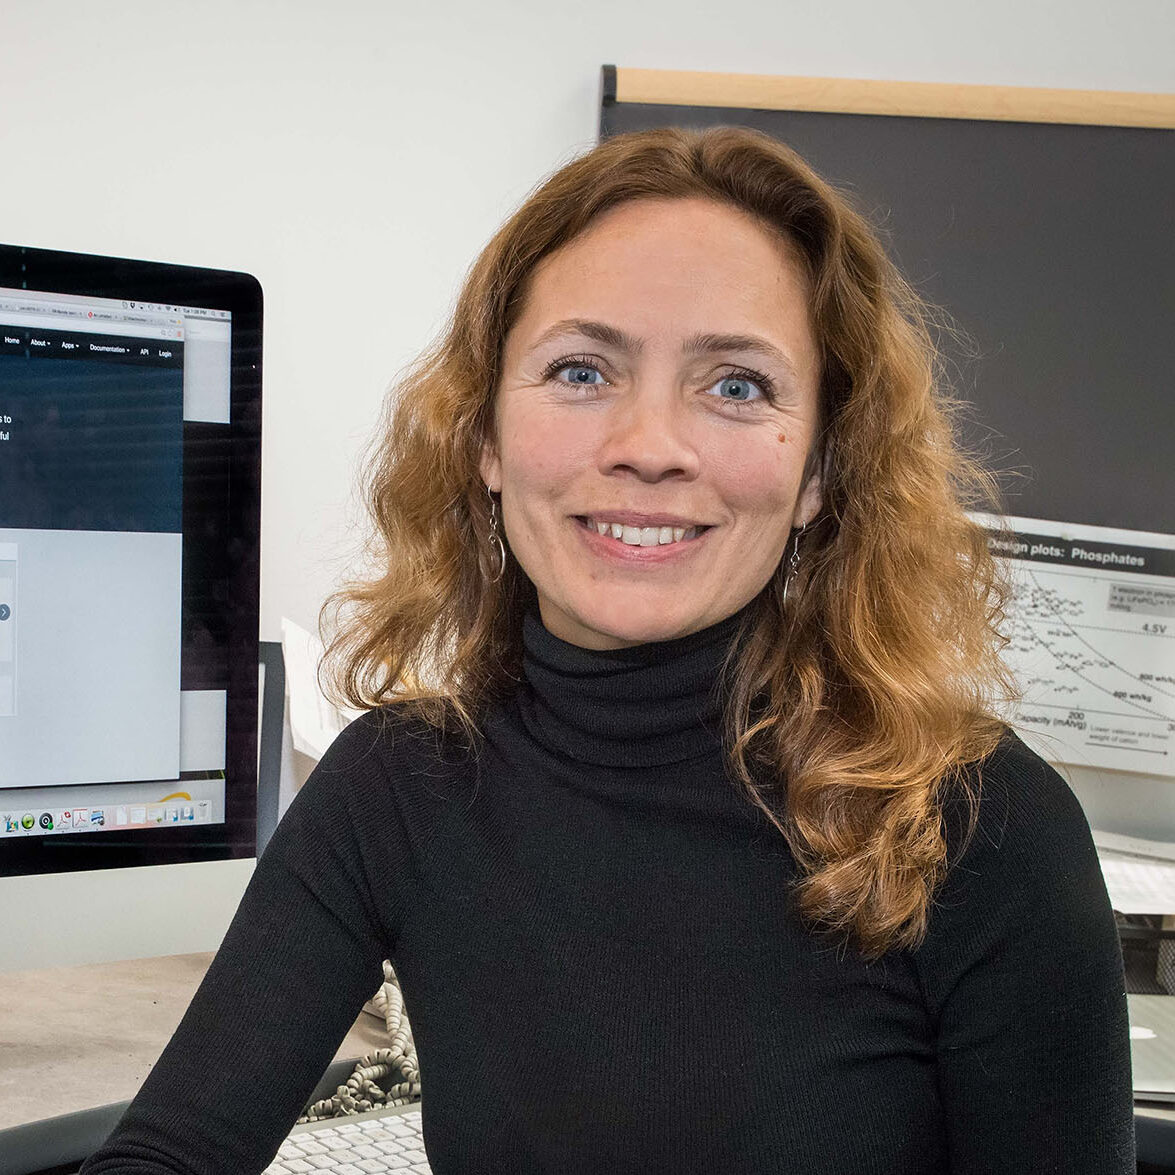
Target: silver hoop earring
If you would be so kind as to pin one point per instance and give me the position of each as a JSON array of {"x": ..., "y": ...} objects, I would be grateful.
[
  {"x": 793, "y": 564},
  {"x": 495, "y": 538}
]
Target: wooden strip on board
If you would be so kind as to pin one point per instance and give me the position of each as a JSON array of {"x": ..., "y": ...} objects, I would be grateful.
[{"x": 919, "y": 99}]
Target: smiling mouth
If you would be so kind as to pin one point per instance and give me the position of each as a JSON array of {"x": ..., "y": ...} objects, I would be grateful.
[{"x": 642, "y": 536}]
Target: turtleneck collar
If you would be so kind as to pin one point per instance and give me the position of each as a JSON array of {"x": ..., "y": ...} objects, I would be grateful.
[{"x": 644, "y": 706}]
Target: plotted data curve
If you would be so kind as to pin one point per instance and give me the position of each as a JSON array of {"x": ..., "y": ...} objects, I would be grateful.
[{"x": 1093, "y": 651}]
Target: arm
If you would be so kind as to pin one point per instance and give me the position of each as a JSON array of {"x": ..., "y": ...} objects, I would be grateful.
[
  {"x": 1023, "y": 968},
  {"x": 301, "y": 956}
]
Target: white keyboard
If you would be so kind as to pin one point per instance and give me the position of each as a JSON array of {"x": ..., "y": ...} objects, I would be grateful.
[{"x": 360, "y": 1144}]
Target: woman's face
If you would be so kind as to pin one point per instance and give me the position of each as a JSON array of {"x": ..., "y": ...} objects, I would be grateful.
[{"x": 663, "y": 378}]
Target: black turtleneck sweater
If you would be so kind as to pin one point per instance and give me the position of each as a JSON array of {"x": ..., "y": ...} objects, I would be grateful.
[{"x": 603, "y": 971}]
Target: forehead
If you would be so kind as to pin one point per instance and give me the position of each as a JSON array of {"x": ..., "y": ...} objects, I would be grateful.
[{"x": 658, "y": 260}]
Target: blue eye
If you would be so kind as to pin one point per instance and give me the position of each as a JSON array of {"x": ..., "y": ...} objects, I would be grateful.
[
  {"x": 578, "y": 365},
  {"x": 743, "y": 389},
  {"x": 579, "y": 369},
  {"x": 744, "y": 386}
]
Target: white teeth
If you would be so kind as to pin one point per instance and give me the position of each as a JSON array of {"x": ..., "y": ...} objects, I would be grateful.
[{"x": 644, "y": 536}]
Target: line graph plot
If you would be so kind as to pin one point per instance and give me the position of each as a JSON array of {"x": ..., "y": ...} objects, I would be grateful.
[{"x": 1093, "y": 650}]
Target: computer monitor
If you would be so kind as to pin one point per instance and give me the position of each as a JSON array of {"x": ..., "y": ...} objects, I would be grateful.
[{"x": 130, "y": 427}]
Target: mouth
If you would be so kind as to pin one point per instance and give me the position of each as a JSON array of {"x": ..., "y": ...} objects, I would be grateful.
[{"x": 643, "y": 531}]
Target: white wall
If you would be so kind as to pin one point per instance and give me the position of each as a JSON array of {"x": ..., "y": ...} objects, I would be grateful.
[{"x": 356, "y": 155}]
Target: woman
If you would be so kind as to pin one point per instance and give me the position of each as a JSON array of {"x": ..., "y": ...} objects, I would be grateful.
[{"x": 696, "y": 842}]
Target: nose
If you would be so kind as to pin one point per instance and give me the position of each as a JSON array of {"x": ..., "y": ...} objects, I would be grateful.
[{"x": 647, "y": 436}]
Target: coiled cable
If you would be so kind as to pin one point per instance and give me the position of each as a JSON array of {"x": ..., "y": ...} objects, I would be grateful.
[{"x": 363, "y": 1089}]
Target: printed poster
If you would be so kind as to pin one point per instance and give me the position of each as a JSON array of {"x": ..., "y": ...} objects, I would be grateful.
[{"x": 1092, "y": 627}]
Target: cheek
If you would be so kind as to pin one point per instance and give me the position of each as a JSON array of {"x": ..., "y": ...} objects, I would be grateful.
[
  {"x": 542, "y": 452},
  {"x": 758, "y": 475}
]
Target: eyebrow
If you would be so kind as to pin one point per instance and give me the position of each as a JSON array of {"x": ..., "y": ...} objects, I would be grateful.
[{"x": 698, "y": 344}]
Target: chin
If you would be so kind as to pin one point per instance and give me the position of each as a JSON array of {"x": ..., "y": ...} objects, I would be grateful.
[{"x": 638, "y": 623}]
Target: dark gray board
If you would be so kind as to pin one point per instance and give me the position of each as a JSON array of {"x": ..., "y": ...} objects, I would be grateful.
[{"x": 1053, "y": 248}]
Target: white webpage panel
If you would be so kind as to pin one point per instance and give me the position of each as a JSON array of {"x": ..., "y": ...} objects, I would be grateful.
[
  {"x": 203, "y": 729},
  {"x": 8, "y": 613},
  {"x": 98, "y": 644},
  {"x": 207, "y": 370}
]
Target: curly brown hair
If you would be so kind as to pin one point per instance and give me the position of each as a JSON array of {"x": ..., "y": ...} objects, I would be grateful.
[{"x": 849, "y": 716}]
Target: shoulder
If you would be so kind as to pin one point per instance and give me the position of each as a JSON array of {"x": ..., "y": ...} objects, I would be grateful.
[
  {"x": 1023, "y": 906},
  {"x": 1030, "y": 856},
  {"x": 378, "y": 792},
  {"x": 1025, "y": 809},
  {"x": 388, "y": 756},
  {"x": 393, "y": 735}
]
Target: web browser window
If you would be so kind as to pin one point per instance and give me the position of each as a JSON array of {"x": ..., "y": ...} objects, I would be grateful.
[{"x": 97, "y": 728}]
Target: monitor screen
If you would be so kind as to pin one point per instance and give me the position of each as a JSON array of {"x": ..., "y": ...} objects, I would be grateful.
[{"x": 129, "y": 554}]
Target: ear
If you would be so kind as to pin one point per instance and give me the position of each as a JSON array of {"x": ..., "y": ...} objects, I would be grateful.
[
  {"x": 491, "y": 468},
  {"x": 811, "y": 497}
]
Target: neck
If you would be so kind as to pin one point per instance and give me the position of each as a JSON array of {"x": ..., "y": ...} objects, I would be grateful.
[{"x": 642, "y": 705}]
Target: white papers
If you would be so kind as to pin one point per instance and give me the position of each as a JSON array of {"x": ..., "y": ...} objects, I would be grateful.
[
  {"x": 1137, "y": 885},
  {"x": 314, "y": 721},
  {"x": 1092, "y": 628},
  {"x": 1139, "y": 874}
]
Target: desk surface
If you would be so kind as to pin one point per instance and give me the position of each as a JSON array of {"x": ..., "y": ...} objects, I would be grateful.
[{"x": 72, "y": 1038}]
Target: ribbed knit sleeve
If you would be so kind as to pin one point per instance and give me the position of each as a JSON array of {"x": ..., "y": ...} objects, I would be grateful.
[
  {"x": 1022, "y": 969},
  {"x": 301, "y": 956}
]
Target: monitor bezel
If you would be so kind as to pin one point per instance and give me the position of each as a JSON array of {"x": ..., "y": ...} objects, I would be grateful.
[{"x": 94, "y": 275}]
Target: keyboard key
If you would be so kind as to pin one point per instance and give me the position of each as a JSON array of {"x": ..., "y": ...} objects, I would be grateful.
[{"x": 356, "y": 1146}]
